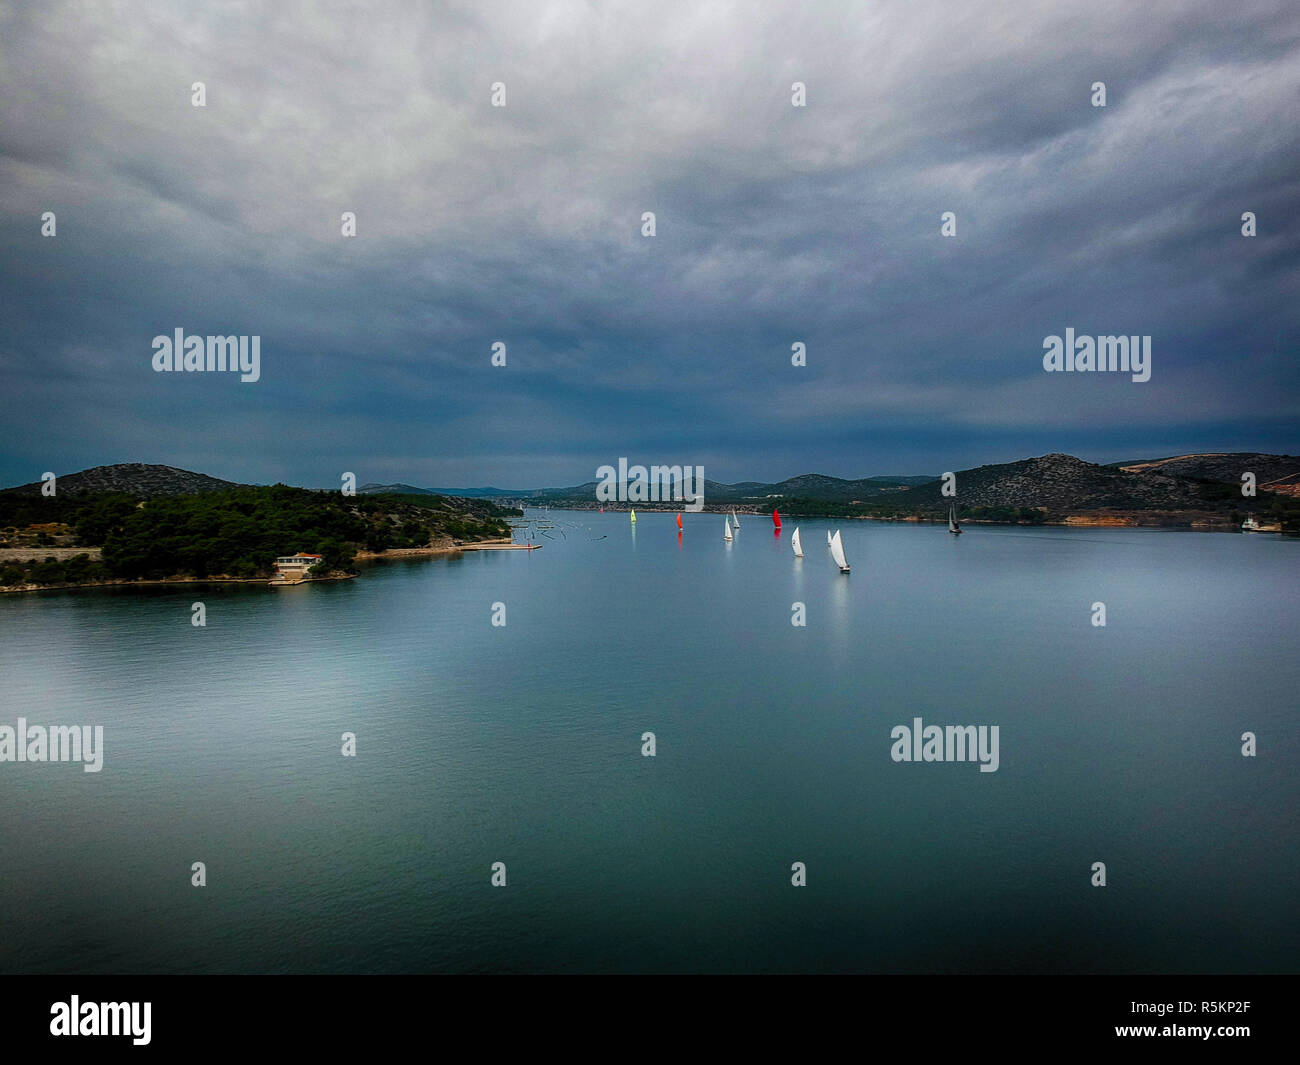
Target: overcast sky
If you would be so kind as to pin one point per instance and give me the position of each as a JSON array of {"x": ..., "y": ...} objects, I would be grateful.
[{"x": 522, "y": 223}]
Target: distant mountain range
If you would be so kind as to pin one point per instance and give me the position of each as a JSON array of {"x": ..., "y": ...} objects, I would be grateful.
[
  {"x": 465, "y": 493},
  {"x": 1057, "y": 482},
  {"x": 1180, "y": 489},
  {"x": 1201, "y": 490},
  {"x": 757, "y": 493},
  {"x": 815, "y": 485}
]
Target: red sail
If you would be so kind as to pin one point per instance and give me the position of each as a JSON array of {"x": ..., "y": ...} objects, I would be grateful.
[
  {"x": 679, "y": 521},
  {"x": 776, "y": 518}
]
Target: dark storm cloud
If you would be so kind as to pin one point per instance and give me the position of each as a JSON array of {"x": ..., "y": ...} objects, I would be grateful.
[{"x": 521, "y": 224}]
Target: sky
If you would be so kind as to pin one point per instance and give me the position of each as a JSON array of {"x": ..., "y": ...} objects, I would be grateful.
[{"x": 774, "y": 225}]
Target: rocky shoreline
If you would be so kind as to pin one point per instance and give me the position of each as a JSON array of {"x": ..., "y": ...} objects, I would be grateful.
[
  {"x": 114, "y": 582},
  {"x": 433, "y": 550},
  {"x": 447, "y": 547}
]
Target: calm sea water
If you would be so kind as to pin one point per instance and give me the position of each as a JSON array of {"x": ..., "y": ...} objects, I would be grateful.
[{"x": 522, "y": 744}]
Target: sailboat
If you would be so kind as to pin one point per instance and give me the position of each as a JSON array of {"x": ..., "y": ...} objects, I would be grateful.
[
  {"x": 837, "y": 552},
  {"x": 633, "y": 517},
  {"x": 953, "y": 527},
  {"x": 679, "y": 522},
  {"x": 828, "y": 538},
  {"x": 776, "y": 517},
  {"x": 726, "y": 526},
  {"x": 735, "y": 521},
  {"x": 794, "y": 542}
]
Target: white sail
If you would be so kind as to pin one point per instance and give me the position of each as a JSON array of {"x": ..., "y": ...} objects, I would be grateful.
[
  {"x": 794, "y": 542},
  {"x": 735, "y": 521},
  {"x": 837, "y": 552},
  {"x": 953, "y": 527},
  {"x": 828, "y": 538},
  {"x": 726, "y": 526}
]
